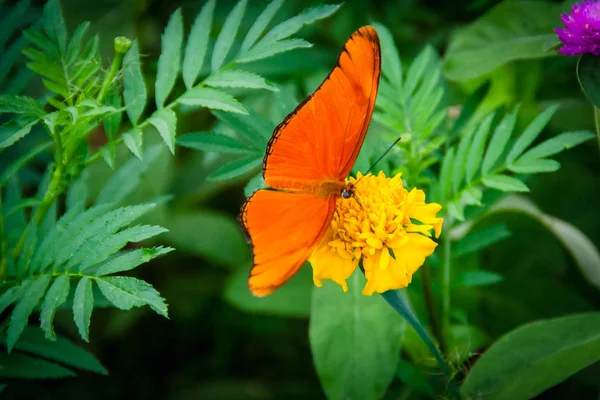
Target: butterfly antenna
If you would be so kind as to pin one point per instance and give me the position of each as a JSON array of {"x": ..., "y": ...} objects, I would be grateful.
[{"x": 380, "y": 158}]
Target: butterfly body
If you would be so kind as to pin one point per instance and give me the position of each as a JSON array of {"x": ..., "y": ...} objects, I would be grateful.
[{"x": 307, "y": 160}]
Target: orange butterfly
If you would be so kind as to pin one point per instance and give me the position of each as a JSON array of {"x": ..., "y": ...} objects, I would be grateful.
[{"x": 306, "y": 163}]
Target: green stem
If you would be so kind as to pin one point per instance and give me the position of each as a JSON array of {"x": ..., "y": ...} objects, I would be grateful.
[
  {"x": 55, "y": 189},
  {"x": 446, "y": 272},
  {"x": 122, "y": 46}
]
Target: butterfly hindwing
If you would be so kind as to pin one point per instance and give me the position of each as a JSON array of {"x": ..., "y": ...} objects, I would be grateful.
[{"x": 283, "y": 229}]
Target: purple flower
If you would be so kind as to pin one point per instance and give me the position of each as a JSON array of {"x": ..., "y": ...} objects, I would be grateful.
[{"x": 582, "y": 29}]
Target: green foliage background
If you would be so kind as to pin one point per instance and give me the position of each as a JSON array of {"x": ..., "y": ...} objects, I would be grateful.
[{"x": 160, "y": 145}]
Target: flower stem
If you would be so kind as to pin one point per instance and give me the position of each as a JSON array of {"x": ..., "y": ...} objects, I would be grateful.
[
  {"x": 446, "y": 269},
  {"x": 398, "y": 303},
  {"x": 122, "y": 45}
]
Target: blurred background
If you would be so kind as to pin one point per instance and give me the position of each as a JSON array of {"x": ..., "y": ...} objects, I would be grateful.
[{"x": 219, "y": 342}]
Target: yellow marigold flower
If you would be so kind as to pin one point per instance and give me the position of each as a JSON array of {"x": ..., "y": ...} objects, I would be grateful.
[{"x": 377, "y": 225}]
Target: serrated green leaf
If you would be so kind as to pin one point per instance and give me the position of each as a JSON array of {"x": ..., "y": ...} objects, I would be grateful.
[
  {"x": 391, "y": 66},
  {"x": 213, "y": 99},
  {"x": 535, "y": 357},
  {"x": 533, "y": 166},
  {"x": 359, "y": 335},
  {"x": 252, "y": 129},
  {"x": 126, "y": 292},
  {"x": 480, "y": 239},
  {"x": 75, "y": 43},
  {"x": 557, "y": 144},
  {"x": 20, "y": 105},
  {"x": 131, "y": 260},
  {"x": 208, "y": 141},
  {"x": 113, "y": 122},
  {"x": 112, "y": 244},
  {"x": 470, "y": 279},
  {"x": 133, "y": 141},
  {"x": 134, "y": 88},
  {"x": 261, "y": 51},
  {"x": 197, "y": 44},
  {"x": 29, "y": 248},
  {"x": 236, "y": 168},
  {"x": 531, "y": 133},
  {"x": 169, "y": 61},
  {"x": 165, "y": 122},
  {"x": 294, "y": 24},
  {"x": 416, "y": 71},
  {"x": 227, "y": 35},
  {"x": 62, "y": 350},
  {"x": 589, "y": 78},
  {"x": 77, "y": 194},
  {"x": 83, "y": 239},
  {"x": 254, "y": 184},
  {"x": 456, "y": 210},
  {"x": 239, "y": 79},
  {"x": 56, "y": 296},
  {"x": 83, "y": 304},
  {"x": 460, "y": 161},
  {"x": 24, "y": 308},
  {"x": 18, "y": 365},
  {"x": 499, "y": 140},
  {"x": 470, "y": 106},
  {"x": 12, "y": 132},
  {"x": 11, "y": 295},
  {"x": 504, "y": 183},
  {"x": 54, "y": 25},
  {"x": 260, "y": 24},
  {"x": 13, "y": 18},
  {"x": 475, "y": 154}
]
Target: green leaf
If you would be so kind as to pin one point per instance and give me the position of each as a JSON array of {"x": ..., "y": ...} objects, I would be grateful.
[
  {"x": 480, "y": 239},
  {"x": 446, "y": 174},
  {"x": 54, "y": 25},
  {"x": 131, "y": 260},
  {"x": 14, "y": 17},
  {"x": 588, "y": 74},
  {"x": 261, "y": 51},
  {"x": 61, "y": 350},
  {"x": 170, "y": 58},
  {"x": 535, "y": 357},
  {"x": 581, "y": 248},
  {"x": 165, "y": 122},
  {"x": 470, "y": 106},
  {"x": 24, "y": 308},
  {"x": 254, "y": 184},
  {"x": 512, "y": 30},
  {"x": 475, "y": 154},
  {"x": 17, "y": 365},
  {"x": 236, "y": 168},
  {"x": 227, "y": 35},
  {"x": 527, "y": 166},
  {"x": 56, "y": 296},
  {"x": 239, "y": 79},
  {"x": 21, "y": 161},
  {"x": 476, "y": 278},
  {"x": 557, "y": 144},
  {"x": 220, "y": 240},
  {"x": 208, "y": 141},
  {"x": 499, "y": 140},
  {"x": 12, "y": 132},
  {"x": 77, "y": 194},
  {"x": 291, "y": 300},
  {"x": 195, "y": 50},
  {"x": 505, "y": 183},
  {"x": 75, "y": 44},
  {"x": 355, "y": 341},
  {"x": 294, "y": 24},
  {"x": 133, "y": 141},
  {"x": 20, "y": 105},
  {"x": 126, "y": 292},
  {"x": 83, "y": 304},
  {"x": 134, "y": 88},
  {"x": 391, "y": 66},
  {"x": 460, "y": 162},
  {"x": 213, "y": 99},
  {"x": 11, "y": 295},
  {"x": 112, "y": 244},
  {"x": 531, "y": 133},
  {"x": 260, "y": 24}
]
